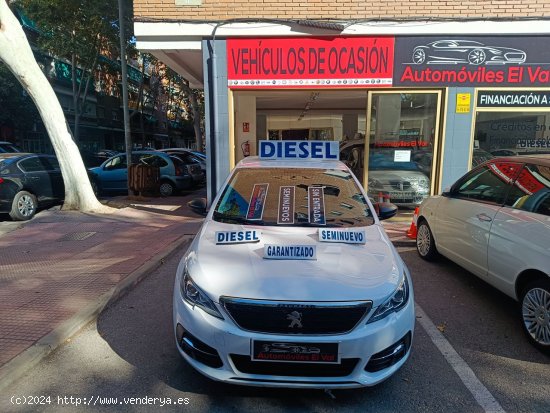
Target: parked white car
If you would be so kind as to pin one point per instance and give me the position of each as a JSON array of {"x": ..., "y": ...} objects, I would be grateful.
[
  {"x": 495, "y": 222},
  {"x": 292, "y": 281}
]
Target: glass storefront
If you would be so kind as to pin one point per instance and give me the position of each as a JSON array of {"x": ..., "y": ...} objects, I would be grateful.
[
  {"x": 507, "y": 133},
  {"x": 400, "y": 127},
  {"x": 403, "y": 131}
]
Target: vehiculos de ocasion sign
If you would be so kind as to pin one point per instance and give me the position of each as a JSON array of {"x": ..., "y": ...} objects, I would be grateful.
[
  {"x": 310, "y": 62},
  {"x": 472, "y": 61}
]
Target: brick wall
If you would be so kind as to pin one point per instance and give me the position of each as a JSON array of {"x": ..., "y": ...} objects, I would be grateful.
[{"x": 350, "y": 9}]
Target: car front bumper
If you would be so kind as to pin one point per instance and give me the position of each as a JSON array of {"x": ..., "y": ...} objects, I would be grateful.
[{"x": 221, "y": 350}]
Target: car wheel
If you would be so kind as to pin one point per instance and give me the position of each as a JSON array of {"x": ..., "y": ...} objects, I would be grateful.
[
  {"x": 166, "y": 188},
  {"x": 419, "y": 56},
  {"x": 535, "y": 313},
  {"x": 95, "y": 187},
  {"x": 476, "y": 57},
  {"x": 23, "y": 206},
  {"x": 425, "y": 244}
]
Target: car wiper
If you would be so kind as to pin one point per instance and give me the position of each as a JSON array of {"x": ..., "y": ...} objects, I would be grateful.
[{"x": 235, "y": 219}]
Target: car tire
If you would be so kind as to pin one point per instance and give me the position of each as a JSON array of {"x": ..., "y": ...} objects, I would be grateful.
[
  {"x": 477, "y": 57},
  {"x": 167, "y": 188},
  {"x": 535, "y": 313},
  {"x": 24, "y": 206},
  {"x": 95, "y": 187},
  {"x": 425, "y": 243},
  {"x": 419, "y": 56}
]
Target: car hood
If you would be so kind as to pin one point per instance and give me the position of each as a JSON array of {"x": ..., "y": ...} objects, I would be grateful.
[
  {"x": 393, "y": 175},
  {"x": 341, "y": 272}
]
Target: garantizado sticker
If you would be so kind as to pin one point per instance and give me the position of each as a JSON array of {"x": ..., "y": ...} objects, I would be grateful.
[
  {"x": 257, "y": 202},
  {"x": 290, "y": 252},
  {"x": 286, "y": 205}
]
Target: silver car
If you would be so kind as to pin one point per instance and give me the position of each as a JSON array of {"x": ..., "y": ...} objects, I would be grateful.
[
  {"x": 401, "y": 183},
  {"x": 495, "y": 222}
]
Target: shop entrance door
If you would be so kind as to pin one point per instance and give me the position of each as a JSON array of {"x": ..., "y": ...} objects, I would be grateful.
[{"x": 398, "y": 160}]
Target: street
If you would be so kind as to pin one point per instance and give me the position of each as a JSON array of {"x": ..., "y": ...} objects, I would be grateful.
[{"x": 131, "y": 353}]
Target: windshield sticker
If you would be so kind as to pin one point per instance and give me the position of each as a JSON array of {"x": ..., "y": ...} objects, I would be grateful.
[
  {"x": 342, "y": 235},
  {"x": 290, "y": 252},
  {"x": 286, "y": 205},
  {"x": 257, "y": 202},
  {"x": 316, "y": 205},
  {"x": 237, "y": 237}
]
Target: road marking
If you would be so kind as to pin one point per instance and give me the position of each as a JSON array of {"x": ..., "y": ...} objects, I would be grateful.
[{"x": 483, "y": 397}]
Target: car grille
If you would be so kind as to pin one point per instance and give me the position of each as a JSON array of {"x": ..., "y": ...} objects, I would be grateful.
[
  {"x": 245, "y": 365},
  {"x": 400, "y": 185},
  {"x": 290, "y": 317}
]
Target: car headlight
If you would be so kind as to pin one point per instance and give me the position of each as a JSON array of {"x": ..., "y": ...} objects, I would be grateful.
[
  {"x": 195, "y": 297},
  {"x": 374, "y": 183},
  {"x": 420, "y": 184},
  {"x": 396, "y": 302}
]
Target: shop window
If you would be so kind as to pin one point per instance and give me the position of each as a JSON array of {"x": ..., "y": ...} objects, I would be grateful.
[
  {"x": 401, "y": 140},
  {"x": 510, "y": 134}
]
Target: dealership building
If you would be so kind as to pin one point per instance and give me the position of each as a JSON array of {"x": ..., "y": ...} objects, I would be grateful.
[{"x": 423, "y": 88}]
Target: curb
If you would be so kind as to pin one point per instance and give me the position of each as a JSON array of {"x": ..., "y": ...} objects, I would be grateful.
[{"x": 22, "y": 363}]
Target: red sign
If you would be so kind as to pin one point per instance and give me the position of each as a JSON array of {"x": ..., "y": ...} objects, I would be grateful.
[
  {"x": 310, "y": 62},
  {"x": 246, "y": 127}
]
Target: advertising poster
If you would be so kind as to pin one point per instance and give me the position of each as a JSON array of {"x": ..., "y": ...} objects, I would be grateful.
[{"x": 257, "y": 202}]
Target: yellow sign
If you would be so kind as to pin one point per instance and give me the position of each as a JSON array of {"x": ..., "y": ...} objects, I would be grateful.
[{"x": 463, "y": 102}]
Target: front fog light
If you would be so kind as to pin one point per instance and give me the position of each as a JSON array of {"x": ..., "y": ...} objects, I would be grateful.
[
  {"x": 395, "y": 303},
  {"x": 195, "y": 297}
]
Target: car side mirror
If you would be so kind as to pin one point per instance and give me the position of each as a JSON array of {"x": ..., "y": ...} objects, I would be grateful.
[
  {"x": 198, "y": 206},
  {"x": 385, "y": 210},
  {"x": 446, "y": 192}
]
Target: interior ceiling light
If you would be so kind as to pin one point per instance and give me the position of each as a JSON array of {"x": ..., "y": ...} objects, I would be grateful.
[{"x": 319, "y": 24}]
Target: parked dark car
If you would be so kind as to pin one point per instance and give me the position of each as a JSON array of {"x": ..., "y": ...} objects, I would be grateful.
[
  {"x": 188, "y": 156},
  {"x": 28, "y": 182},
  {"x": 8, "y": 147},
  {"x": 112, "y": 175}
]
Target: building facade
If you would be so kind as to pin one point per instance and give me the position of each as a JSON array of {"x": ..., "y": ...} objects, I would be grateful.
[{"x": 416, "y": 92}]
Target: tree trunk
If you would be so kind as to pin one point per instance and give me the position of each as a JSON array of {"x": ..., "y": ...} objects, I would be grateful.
[
  {"x": 196, "y": 116},
  {"x": 18, "y": 57}
]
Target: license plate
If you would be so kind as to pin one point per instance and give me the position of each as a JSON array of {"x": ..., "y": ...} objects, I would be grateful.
[
  {"x": 401, "y": 195},
  {"x": 277, "y": 351}
]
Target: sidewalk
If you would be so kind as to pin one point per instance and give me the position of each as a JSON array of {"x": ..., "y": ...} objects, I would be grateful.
[{"x": 61, "y": 269}]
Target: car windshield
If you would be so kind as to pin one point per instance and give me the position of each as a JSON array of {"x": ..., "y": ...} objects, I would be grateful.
[
  {"x": 386, "y": 160},
  {"x": 293, "y": 197}
]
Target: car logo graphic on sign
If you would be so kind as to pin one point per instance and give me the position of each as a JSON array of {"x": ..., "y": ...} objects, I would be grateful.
[{"x": 295, "y": 319}]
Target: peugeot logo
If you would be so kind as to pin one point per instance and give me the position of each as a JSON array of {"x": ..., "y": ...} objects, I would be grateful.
[{"x": 295, "y": 319}]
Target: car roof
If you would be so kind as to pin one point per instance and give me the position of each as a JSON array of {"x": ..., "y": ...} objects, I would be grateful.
[
  {"x": 256, "y": 162},
  {"x": 8, "y": 155},
  {"x": 540, "y": 159}
]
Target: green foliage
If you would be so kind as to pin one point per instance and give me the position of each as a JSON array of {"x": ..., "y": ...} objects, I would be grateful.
[
  {"x": 84, "y": 28},
  {"x": 16, "y": 108}
]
